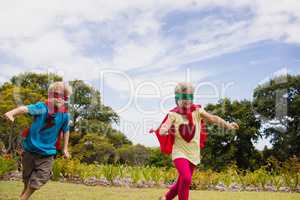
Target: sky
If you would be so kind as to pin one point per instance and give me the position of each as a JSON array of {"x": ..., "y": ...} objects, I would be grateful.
[{"x": 135, "y": 51}]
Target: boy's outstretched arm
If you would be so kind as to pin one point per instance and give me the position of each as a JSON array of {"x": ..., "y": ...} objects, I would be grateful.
[
  {"x": 66, "y": 143},
  {"x": 10, "y": 115},
  {"x": 214, "y": 119}
]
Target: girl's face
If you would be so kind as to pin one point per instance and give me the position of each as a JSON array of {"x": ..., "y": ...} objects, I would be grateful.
[
  {"x": 184, "y": 103},
  {"x": 184, "y": 100}
]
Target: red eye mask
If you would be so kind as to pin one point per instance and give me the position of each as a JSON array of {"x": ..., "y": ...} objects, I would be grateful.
[{"x": 60, "y": 96}]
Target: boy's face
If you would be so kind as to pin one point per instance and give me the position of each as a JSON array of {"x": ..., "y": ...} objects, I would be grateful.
[{"x": 58, "y": 98}]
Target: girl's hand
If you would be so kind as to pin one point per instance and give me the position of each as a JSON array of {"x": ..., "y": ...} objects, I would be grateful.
[
  {"x": 233, "y": 126},
  {"x": 9, "y": 116},
  {"x": 151, "y": 130}
]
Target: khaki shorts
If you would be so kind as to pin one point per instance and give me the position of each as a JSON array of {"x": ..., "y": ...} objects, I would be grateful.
[{"x": 36, "y": 169}]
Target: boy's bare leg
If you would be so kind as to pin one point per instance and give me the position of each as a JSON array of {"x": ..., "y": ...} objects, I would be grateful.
[
  {"x": 28, "y": 192},
  {"x": 24, "y": 189}
]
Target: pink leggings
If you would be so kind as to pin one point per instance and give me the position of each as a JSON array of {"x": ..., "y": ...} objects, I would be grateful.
[{"x": 181, "y": 188}]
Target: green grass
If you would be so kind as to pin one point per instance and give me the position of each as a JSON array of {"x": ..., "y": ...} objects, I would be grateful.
[{"x": 55, "y": 190}]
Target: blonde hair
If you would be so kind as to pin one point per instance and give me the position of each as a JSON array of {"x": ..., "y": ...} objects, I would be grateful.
[
  {"x": 184, "y": 87},
  {"x": 60, "y": 86}
]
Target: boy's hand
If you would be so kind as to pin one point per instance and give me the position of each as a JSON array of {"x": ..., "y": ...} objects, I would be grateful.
[
  {"x": 9, "y": 116},
  {"x": 233, "y": 126},
  {"x": 67, "y": 154}
]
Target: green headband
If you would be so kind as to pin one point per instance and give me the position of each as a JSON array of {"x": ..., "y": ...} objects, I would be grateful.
[{"x": 180, "y": 96}]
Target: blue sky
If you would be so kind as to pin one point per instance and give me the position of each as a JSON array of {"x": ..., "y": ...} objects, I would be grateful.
[{"x": 225, "y": 47}]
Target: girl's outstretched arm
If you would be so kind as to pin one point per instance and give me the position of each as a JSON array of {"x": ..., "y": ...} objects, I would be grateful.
[{"x": 214, "y": 119}]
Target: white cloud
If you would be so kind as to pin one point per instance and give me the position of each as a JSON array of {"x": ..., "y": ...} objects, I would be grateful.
[
  {"x": 125, "y": 83},
  {"x": 38, "y": 28},
  {"x": 50, "y": 47},
  {"x": 134, "y": 55},
  {"x": 7, "y": 71}
]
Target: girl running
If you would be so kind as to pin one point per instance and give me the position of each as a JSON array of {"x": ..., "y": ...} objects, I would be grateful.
[{"x": 181, "y": 135}]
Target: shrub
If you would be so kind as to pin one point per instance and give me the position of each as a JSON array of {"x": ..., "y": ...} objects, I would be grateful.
[{"x": 7, "y": 164}]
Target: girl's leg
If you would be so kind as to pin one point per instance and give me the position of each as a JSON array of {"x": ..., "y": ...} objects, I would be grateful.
[
  {"x": 185, "y": 180},
  {"x": 172, "y": 193},
  {"x": 185, "y": 171}
]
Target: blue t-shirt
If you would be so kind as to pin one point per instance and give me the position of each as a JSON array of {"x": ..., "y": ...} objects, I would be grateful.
[{"x": 44, "y": 130}]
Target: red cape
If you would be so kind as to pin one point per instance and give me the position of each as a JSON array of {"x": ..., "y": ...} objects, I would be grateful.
[
  {"x": 51, "y": 110},
  {"x": 166, "y": 141}
]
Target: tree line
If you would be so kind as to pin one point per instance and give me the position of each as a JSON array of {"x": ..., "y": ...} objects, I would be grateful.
[{"x": 273, "y": 113}]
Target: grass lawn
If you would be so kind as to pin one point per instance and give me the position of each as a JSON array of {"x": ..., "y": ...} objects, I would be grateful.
[{"x": 56, "y": 190}]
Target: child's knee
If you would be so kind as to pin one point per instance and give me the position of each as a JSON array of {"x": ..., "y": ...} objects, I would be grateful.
[{"x": 186, "y": 180}]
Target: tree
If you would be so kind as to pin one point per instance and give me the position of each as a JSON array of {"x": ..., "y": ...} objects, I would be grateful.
[
  {"x": 22, "y": 89},
  {"x": 117, "y": 138},
  {"x": 227, "y": 147},
  {"x": 86, "y": 108},
  {"x": 133, "y": 155},
  {"x": 93, "y": 148},
  {"x": 35, "y": 81},
  {"x": 95, "y": 126},
  {"x": 12, "y": 96},
  {"x": 159, "y": 159},
  {"x": 277, "y": 102}
]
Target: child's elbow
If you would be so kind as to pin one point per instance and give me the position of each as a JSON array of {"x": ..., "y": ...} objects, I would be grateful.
[{"x": 23, "y": 109}]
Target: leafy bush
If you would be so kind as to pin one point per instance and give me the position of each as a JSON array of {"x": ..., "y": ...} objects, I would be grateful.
[
  {"x": 289, "y": 175},
  {"x": 7, "y": 164}
]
